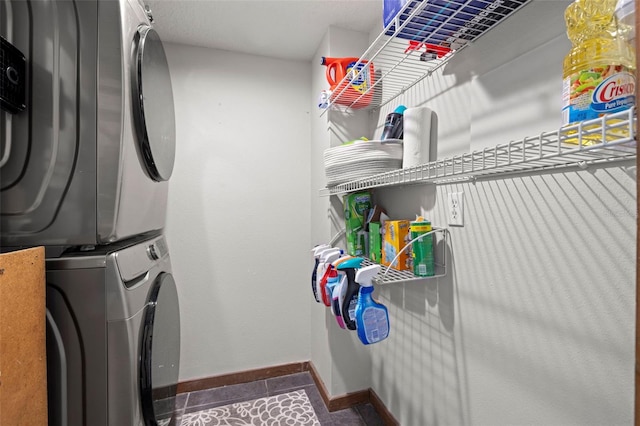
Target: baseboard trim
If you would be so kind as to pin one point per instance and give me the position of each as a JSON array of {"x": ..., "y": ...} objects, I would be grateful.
[
  {"x": 382, "y": 409},
  {"x": 243, "y": 377},
  {"x": 334, "y": 403},
  {"x": 339, "y": 402}
]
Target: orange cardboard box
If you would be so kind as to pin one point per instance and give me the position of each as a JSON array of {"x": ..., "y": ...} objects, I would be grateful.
[
  {"x": 396, "y": 236},
  {"x": 23, "y": 367}
]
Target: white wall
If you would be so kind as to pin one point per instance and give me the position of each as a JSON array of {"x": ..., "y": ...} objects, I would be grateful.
[
  {"x": 534, "y": 322},
  {"x": 238, "y": 221},
  {"x": 342, "y": 362}
]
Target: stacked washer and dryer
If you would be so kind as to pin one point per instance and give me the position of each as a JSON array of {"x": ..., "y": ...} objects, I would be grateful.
[{"x": 87, "y": 141}]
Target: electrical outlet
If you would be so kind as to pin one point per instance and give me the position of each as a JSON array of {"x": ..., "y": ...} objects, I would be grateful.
[{"x": 456, "y": 208}]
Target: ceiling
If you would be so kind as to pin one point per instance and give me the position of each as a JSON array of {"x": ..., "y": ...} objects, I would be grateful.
[{"x": 290, "y": 29}]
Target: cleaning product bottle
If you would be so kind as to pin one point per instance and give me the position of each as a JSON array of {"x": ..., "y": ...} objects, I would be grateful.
[
  {"x": 333, "y": 279},
  {"x": 336, "y": 68},
  {"x": 372, "y": 318},
  {"x": 318, "y": 271},
  {"x": 599, "y": 71},
  {"x": 338, "y": 289},
  {"x": 335, "y": 288},
  {"x": 322, "y": 268},
  {"x": 355, "y": 93},
  {"x": 329, "y": 258},
  {"x": 422, "y": 249},
  {"x": 349, "y": 294},
  {"x": 314, "y": 274},
  {"x": 393, "y": 124}
]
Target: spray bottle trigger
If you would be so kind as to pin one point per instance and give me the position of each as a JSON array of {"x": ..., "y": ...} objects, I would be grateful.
[
  {"x": 364, "y": 276},
  {"x": 317, "y": 249}
]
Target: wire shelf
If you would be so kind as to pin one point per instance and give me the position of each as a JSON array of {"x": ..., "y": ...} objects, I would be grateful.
[
  {"x": 421, "y": 38},
  {"x": 393, "y": 276},
  {"x": 608, "y": 139}
]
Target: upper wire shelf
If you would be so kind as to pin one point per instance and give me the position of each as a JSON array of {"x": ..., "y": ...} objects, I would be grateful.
[
  {"x": 421, "y": 38},
  {"x": 603, "y": 140}
]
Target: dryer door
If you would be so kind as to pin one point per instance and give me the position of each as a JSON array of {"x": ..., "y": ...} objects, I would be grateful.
[
  {"x": 160, "y": 351},
  {"x": 153, "y": 105}
]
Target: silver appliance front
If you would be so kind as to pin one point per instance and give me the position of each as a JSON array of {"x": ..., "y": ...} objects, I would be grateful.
[
  {"x": 88, "y": 160},
  {"x": 113, "y": 336}
]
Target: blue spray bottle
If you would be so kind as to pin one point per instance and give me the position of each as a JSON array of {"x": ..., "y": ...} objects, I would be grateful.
[
  {"x": 372, "y": 318},
  {"x": 314, "y": 274},
  {"x": 349, "y": 293}
]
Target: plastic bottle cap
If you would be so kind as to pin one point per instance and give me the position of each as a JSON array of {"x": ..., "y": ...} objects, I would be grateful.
[
  {"x": 400, "y": 109},
  {"x": 354, "y": 262},
  {"x": 340, "y": 260}
]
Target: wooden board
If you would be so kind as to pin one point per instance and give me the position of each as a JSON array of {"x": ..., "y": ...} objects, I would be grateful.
[{"x": 23, "y": 368}]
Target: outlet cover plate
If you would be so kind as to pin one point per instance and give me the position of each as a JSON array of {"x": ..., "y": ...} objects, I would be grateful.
[{"x": 456, "y": 208}]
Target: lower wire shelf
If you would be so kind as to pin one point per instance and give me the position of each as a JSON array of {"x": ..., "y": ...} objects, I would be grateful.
[{"x": 389, "y": 275}]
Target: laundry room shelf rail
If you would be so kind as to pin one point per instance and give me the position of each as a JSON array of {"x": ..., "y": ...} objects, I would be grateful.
[
  {"x": 393, "y": 276},
  {"x": 604, "y": 140},
  {"x": 421, "y": 38}
]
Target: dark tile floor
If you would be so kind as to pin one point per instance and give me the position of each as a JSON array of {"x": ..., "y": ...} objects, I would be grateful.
[{"x": 361, "y": 415}]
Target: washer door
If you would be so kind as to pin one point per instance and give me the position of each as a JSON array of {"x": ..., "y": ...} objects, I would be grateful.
[
  {"x": 153, "y": 108},
  {"x": 160, "y": 351}
]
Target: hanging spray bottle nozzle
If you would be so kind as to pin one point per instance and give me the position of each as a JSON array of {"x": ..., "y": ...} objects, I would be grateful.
[
  {"x": 317, "y": 249},
  {"x": 365, "y": 276}
]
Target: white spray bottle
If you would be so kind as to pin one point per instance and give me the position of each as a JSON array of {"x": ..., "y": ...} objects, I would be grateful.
[
  {"x": 316, "y": 255},
  {"x": 321, "y": 269},
  {"x": 329, "y": 258}
]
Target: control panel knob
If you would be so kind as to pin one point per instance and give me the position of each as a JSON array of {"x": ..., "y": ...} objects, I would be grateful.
[{"x": 153, "y": 254}]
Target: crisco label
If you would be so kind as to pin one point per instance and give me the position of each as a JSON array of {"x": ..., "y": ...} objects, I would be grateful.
[
  {"x": 591, "y": 93},
  {"x": 614, "y": 92}
]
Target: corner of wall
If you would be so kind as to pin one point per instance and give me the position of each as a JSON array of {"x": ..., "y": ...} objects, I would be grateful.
[{"x": 342, "y": 363}]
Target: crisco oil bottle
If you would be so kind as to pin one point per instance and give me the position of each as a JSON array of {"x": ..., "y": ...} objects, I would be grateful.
[{"x": 599, "y": 71}]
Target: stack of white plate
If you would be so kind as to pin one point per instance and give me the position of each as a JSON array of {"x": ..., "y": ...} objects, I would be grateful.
[{"x": 361, "y": 159}]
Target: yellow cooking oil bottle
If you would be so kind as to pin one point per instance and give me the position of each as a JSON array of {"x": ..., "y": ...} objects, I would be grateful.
[{"x": 599, "y": 71}]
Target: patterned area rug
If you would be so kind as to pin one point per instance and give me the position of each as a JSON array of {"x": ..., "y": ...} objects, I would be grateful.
[{"x": 293, "y": 408}]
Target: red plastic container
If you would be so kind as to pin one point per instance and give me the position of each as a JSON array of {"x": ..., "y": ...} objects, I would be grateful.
[{"x": 357, "y": 91}]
